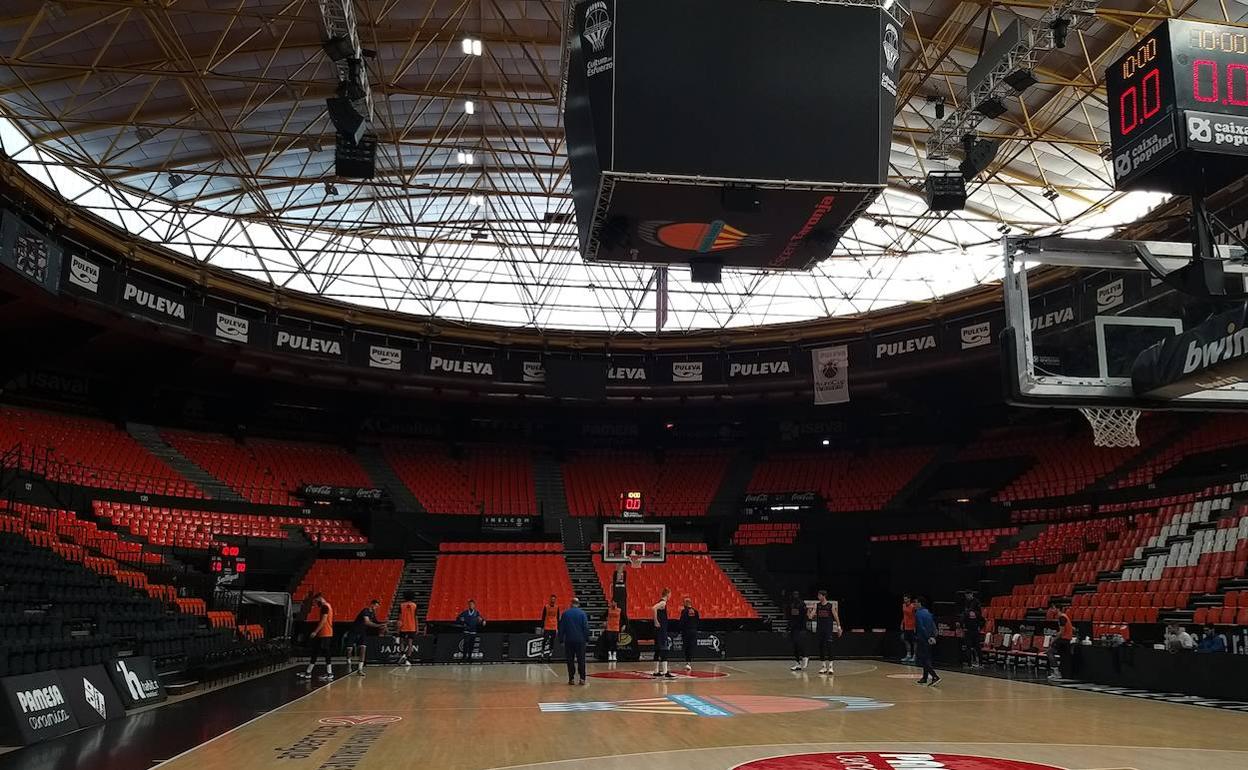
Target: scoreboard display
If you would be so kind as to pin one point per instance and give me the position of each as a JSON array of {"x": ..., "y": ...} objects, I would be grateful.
[
  {"x": 1178, "y": 95},
  {"x": 228, "y": 563},
  {"x": 631, "y": 505}
]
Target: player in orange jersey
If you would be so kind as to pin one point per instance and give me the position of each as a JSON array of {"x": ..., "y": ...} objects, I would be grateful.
[
  {"x": 409, "y": 626},
  {"x": 322, "y": 640}
]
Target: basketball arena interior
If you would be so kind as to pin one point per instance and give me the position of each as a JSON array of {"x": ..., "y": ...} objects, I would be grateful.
[{"x": 569, "y": 384}]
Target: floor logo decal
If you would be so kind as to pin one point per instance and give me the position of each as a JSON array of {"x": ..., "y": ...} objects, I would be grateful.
[
  {"x": 360, "y": 720},
  {"x": 720, "y": 705},
  {"x": 649, "y": 677},
  {"x": 870, "y": 760}
]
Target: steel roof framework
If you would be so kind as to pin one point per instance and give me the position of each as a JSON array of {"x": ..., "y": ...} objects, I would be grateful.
[{"x": 201, "y": 125}]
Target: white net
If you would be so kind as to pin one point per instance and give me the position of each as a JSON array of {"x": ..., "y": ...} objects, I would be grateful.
[{"x": 1113, "y": 427}]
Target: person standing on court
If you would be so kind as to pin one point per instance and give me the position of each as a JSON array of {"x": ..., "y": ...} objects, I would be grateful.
[
  {"x": 662, "y": 641},
  {"x": 1060, "y": 646},
  {"x": 472, "y": 622},
  {"x": 827, "y": 628},
  {"x": 574, "y": 631},
  {"x": 611, "y": 632},
  {"x": 689, "y": 617},
  {"x": 925, "y": 642},
  {"x": 907, "y": 627},
  {"x": 797, "y": 613},
  {"x": 550, "y": 626},
  {"x": 619, "y": 592},
  {"x": 357, "y": 635},
  {"x": 322, "y": 640},
  {"x": 409, "y": 626}
]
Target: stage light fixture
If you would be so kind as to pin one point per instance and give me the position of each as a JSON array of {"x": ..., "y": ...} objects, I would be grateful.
[
  {"x": 338, "y": 48},
  {"x": 330, "y": 189},
  {"x": 476, "y": 200},
  {"x": 945, "y": 191},
  {"x": 470, "y": 107},
  {"x": 471, "y": 46},
  {"x": 991, "y": 108},
  {"x": 1021, "y": 80},
  {"x": 175, "y": 180},
  {"x": 1061, "y": 28},
  {"x": 938, "y": 104}
]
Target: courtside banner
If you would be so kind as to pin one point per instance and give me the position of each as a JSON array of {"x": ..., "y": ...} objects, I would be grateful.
[
  {"x": 530, "y": 647},
  {"x": 38, "y": 708},
  {"x": 390, "y": 650},
  {"x": 136, "y": 681},
  {"x": 450, "y": 648},
  {"x": 91, "y": 695},
  {"x": 830, "y": 375},
  {"x": 30, "y": 252},
  {"x": 973, "y": 333}
]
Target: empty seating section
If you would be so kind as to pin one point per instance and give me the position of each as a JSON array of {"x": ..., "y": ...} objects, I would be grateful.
[
  {"x": 88, "y": 452},
  {"x": 201, "y": 529},
  {"x": 349, "y": 584},
  {"x": 766, "y": 533},
  {"x": 500, "y": 547},
  {"x": 63, "y": 606},
  {"x": 683, "y": 483},
  {"x": 688, "y": 573},
  {"x": 478, "y": 480},
  {"x": 506, "y": 586},
  {"x": 848, "y": 481},
  {"x": 968, "y": 540},
  {"x": 1062, "y": 462},
  {"x": 267, "y": 471},
  {"x": 1216, "y": 432},
  {"x": 1058, "y": 541},
  {"x": 1156, "y": 562},
  {"x": 73, "y": 533}
]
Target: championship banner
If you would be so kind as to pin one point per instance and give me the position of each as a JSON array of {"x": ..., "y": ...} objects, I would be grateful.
[
  {"x": 38, "y": 708},
  {"x": 830, "y": 374},
  {"x": 136, "y": 681},
  {"x": 29, "y": 252}
]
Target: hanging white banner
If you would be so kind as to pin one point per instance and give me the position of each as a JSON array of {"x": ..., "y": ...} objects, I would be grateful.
[{"x": 831, "y": 374}]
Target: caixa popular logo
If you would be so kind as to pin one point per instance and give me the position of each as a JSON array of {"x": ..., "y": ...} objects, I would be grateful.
[{"x": 385, "y": 358}]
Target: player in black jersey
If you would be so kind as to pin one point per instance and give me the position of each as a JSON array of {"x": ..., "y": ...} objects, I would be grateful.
[
  {"x": 619, "y": 593},
  {"x": 689, "y": 617},
  {"x": 827, "y": 628},
  {"x": 662, "y": 642},
  {"x": 354, "y": 638}
]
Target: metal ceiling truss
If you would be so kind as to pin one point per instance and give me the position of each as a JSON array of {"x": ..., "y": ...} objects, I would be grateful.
[{"x": 201, "y": 125}]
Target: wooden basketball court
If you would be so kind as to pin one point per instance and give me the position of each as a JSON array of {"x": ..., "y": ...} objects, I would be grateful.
[{"x": 756, "y": 716}]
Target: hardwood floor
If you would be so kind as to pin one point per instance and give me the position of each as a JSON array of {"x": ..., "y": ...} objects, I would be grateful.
[{"x": 526, "y": 715}]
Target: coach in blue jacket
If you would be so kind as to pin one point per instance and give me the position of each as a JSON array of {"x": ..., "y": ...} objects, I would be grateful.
[{"x": 574, "y": 631}]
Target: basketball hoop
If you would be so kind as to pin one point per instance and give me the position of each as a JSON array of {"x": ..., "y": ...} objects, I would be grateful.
[
  {"x": 1113, "y": 427},
  {"x": 634, "y": 559}
]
